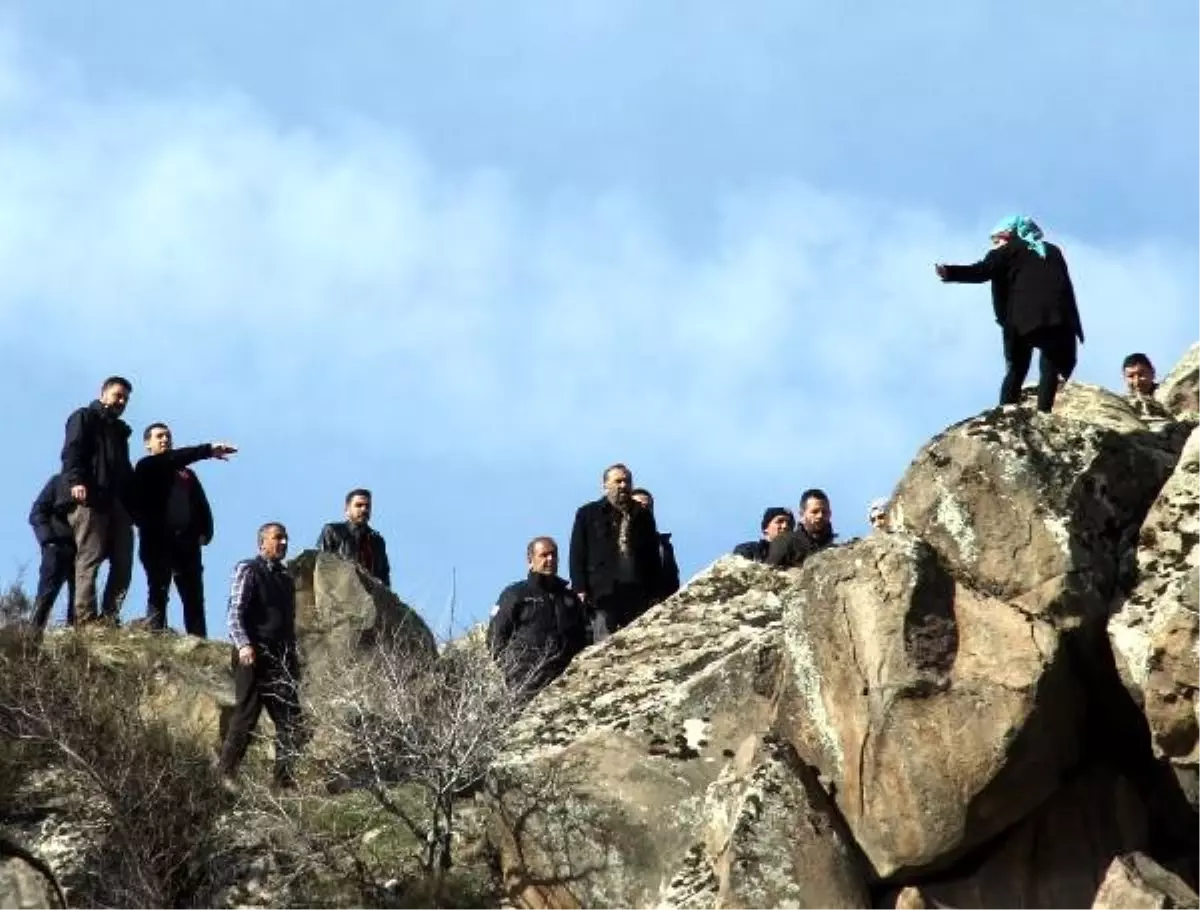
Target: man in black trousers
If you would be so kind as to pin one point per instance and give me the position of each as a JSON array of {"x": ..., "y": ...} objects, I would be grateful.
[
  {"x": 616, "y": 563},
  {"x": 174, "y": 521},
  {"x": 1034, "y": 303},
  {"x": 262, "y": 625},
  {"x": 48, "y": 517}
]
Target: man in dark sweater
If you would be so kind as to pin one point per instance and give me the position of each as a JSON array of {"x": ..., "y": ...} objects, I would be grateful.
[
  {"x": 48, "y": 517},
  {"x": 616, "y": 561},
  {"x": 776, "y": 520},
  {"x": 537, "y": 625},
  {"x": 354, "y": 539},
  {"x": 96, "y": 475},
  {"x": 266, "y": 668},
  {"x": 814, "y": 532},
  {"x": 174, "y": 520}
]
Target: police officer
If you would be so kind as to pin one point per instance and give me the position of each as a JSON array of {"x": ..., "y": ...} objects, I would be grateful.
[{"x": 538, "y": 624}]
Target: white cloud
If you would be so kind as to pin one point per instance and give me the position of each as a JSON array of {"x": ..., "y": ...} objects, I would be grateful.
[{"x": 339, "y": 273}]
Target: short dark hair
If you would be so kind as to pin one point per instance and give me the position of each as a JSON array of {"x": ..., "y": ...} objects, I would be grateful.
[
  {"x": 116, "y": 380},
  {"x": 642, "y": 491},
  {"x": 357, "y": 491},
  {"x": 812, "y": 493},
  {"x": 1137, "y": 359},
  {"x": 266, "y": 526},
  {"x": 152, "y": 427},
  {"x": 537, "y": 540},
  {"x": 618, "y": 466}
]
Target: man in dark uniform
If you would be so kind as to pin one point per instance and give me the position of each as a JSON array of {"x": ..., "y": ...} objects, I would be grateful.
[{"x": 538, "y": 624}]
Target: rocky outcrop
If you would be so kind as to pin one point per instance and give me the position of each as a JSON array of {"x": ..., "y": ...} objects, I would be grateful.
[
  {"x": 886, "y": 649},
  {"x": 1179, "y": 392},
  {"x": 922, "y": 713},
  {"x": 341, "y": 611},
  {"x": 25, "y": 880},
  {"x": 640, "y": 777},
  {"x": 1030, "y": 507},
  {"x": 1154, "y": 628},
  {"x": 1056, "y": 856},
  {"x": 1136, "y": 882}
]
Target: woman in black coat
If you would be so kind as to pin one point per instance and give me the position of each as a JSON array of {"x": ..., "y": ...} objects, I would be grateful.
[{"x": 1034, "y": 302}]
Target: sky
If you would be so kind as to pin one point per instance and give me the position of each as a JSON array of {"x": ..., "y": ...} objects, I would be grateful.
[{"x": 468, "y": 254}]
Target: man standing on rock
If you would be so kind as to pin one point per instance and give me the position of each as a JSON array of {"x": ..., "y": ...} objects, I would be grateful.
[
  {"x": 776, "y": 520},
  {"x": 96, "y": 475},
  {"x": 53, "y": 532},
  {"x": 538, "y": 624},
  {"x": 615, "y": 558},
  {"x": 668, "y": 583},
  {"x": 815, "y": 532},
  {"x": 1034, "y": 302},
  {"x": 262, "y": 626},
  {"x": 354, "y": 539},
  {"x": 174, "y": 520}
]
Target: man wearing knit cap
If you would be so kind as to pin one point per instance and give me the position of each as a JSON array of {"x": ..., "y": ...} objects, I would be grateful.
[{"x": 776, "y": 520}]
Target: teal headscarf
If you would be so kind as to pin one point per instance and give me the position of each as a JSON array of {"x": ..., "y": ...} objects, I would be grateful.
[{"x": 1026, "y": 229}]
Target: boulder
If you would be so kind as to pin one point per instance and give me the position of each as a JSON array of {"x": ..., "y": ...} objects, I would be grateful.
[
  {"x": 1055, "y": 857},
  {"x": 1179, "y": 392},
  {"x": 26, "y": 881},
  {"x": 1153, "y": 629},
  {"x": 341, "y": 610},
  {"x": 1136, "y": 882},
  {"x": 1031, "y": 508},
  {"x": 940, "y": 714},
  {"x": 640, "y": 777}
]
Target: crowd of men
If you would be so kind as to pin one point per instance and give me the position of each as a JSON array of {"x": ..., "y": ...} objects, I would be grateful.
[{"x": 619, "y": 563}]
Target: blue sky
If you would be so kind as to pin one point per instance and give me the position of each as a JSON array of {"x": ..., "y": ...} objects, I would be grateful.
[{"x": 467, "y": 254}]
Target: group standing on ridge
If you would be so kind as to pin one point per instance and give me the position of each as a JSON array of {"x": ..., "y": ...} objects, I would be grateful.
[{"x": 619, "y": 563}]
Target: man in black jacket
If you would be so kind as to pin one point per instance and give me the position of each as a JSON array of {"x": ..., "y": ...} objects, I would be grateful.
[
  {"x": 616, "y": 563},
  {"x": 53, "y": 532},
  {"x": 776, "y": 520},
  {"x": 174, "y": 520},
  {"x": 538, "y": 624},
  {"x": 814, "y": 532},
  {"x": 354, "y": 539},
  {"x": 96, "y": 475},
  {"x": 1034, "y": 302},
  {"x": 266, "y": 667},
  {"x": 668, "y": 582}
]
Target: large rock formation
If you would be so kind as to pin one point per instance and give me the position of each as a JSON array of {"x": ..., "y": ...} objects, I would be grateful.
[
  {"x": 642, "y": 777},
  {"x": 1180, "y": 390},
  {"x": 918, "y": 712},
  {"x": 1154, "y": 628},
  {"x": 1136, "y": 882},
  {"x": 26, "y": 881},
  {"x": 887, "y": 649}
]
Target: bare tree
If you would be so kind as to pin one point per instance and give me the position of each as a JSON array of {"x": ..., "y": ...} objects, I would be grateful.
[
  {"x": 417, "y": 733},
  {"x": 147, "y": 801}
]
